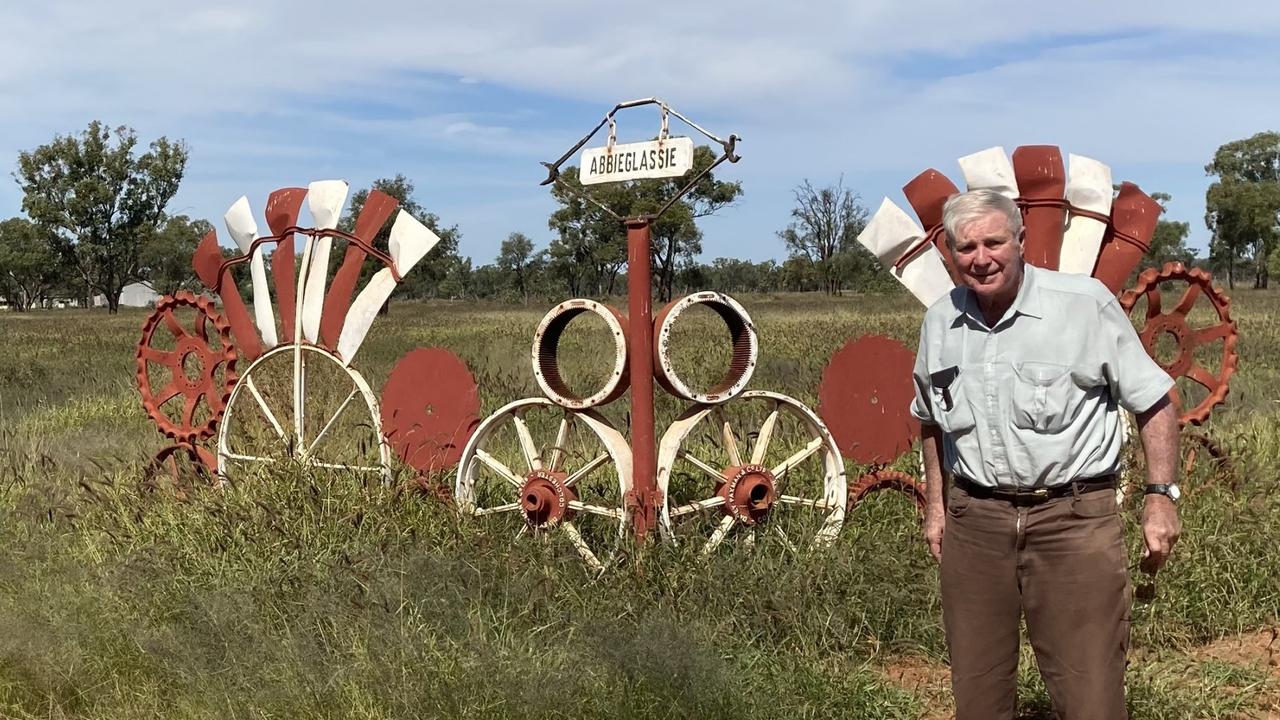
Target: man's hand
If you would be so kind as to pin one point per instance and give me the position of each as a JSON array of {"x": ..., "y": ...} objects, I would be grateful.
[
  {"x": 1160, "y": 530},
  {"x": 935, "y": 522}
]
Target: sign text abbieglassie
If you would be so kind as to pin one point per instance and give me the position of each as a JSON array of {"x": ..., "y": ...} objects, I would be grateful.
[{"x": 672, "y": 157}]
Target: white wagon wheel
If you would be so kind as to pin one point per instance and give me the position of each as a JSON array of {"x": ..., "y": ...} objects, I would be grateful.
[
  {"x": 301, "y": 402},
  {"x": 537, "y": 468},
  {"x": 759, "y": 468}
]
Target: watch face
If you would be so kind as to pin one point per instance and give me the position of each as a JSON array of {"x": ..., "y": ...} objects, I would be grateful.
[{"x": 1174, "y": 492}]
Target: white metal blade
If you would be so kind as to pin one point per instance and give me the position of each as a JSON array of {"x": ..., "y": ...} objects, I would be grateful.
[
  {"x": 325, "y": 199},
  {"x": 889, "y": 235},
  {"x": 409, "y": 241},
  {"x": 363, "y": 311},
  {"x": 990, "y": 168},
  {"x": 244, "y": 230},
  {"x": 1089, "y": 188}
]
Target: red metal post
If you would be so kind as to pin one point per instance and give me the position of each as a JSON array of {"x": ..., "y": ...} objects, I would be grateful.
[{"x": 644, "y": 471}]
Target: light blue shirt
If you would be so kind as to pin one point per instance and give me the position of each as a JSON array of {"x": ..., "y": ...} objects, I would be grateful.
[{"x": 1035, "y": 400}]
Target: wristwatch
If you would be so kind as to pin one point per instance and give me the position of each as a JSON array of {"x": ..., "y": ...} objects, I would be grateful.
[{"x": 1170, "y": 491}]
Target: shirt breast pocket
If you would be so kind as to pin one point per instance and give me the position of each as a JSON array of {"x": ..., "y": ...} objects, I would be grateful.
[
  {"x": 952, "y": 409},
  {"x": 1047, "y": 397}
]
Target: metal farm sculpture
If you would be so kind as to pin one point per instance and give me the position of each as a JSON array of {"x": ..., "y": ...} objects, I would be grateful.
[
  {"x": 260, "y": 384},
  {"x": 748, "y": 466}
]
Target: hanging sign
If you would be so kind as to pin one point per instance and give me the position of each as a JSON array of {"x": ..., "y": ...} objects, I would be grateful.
[{"x": 672, "y": 157}]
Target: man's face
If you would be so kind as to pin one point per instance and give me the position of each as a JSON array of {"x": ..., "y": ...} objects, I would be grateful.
[{"x": 990, "y": 257}]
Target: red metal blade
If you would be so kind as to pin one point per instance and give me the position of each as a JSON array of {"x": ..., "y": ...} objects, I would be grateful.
[
  {"x": 377, "y": 208},
  {"x": 1041, "y": 176},
  {"x": 283, "y": 207},
  {"x": 1133, "y": 215},
  {"x": 927, "y": 193},
  {"x": 207, "y": 260}
]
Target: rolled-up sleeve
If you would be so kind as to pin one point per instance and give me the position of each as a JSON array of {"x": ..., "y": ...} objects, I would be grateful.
[
  {"x": 1135, "y": 380},
  {"x": 921, "y": 407}
]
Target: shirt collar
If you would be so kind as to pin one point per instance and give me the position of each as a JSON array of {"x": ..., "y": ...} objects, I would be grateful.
[{"x": 1027, "y": 302}]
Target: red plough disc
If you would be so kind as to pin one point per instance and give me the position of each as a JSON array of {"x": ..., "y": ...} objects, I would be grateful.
[
  {"x": 865, "y": 399},
  {"x": 430, "y": 406}
]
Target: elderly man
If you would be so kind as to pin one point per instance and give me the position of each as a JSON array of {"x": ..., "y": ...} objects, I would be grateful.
[{"x": 1020, "y": 378}]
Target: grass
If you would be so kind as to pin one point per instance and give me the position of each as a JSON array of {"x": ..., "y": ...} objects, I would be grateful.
[{"x": 325, "y": 595}]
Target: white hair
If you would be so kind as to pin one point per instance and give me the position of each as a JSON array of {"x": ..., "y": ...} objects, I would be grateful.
[{"x": 963, "y": 208}]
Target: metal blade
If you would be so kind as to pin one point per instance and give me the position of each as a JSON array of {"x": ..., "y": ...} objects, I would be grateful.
[
  {"x": 889, "y": 235},
  {"x": 325, "y": 199},
  {"x": 363, "y": 311},
  {"x": 990, "y": 168},
  {"x": 410, "y": 240},
  {"x": 244, "y": 230},
  {"x": 1088, "y": 188}
]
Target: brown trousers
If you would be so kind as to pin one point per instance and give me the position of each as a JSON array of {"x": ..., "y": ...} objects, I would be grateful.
[{"x": 1062, "y": 564}]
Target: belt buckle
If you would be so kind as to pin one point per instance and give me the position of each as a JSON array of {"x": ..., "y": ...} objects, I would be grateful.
[{"x": 1034, "y": 495}]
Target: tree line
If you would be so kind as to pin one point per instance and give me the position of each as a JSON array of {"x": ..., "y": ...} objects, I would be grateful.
[{"x": 96, "y": 221}]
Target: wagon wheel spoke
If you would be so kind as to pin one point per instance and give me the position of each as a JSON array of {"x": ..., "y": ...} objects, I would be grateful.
[
  {"x": 805, "y": 502},
  {"x": 527, "y": 446},
  {"x": 1188, "y": 299},
  {"x": 1198, "y": 373},
  {"x": 355, "y": 392},
  {"x": 615, "y": 513},
  {"x": 728, "y": 438},
  {"x": 575, "y": 537},
  {"x": 498, "y": 467},
  {"x": 766, "y": 434},
  {"x": 786, "y": 541},
  {"x": 596, "y": 463},
  {"x": 701, "y": 465},
  {"x": 562, "y": 441},
  {"x": 785, "y": 467},
  {"x": 1207, "y": 335},
  {"x": 708, "y": 504},
  {"x": 722, "y": 530},
  {"x": 266, "y": 411},
  {"x": 175, "y": 328},
  {"x": 1153, "y": 303},
  {"x": 509, "y": 507}
]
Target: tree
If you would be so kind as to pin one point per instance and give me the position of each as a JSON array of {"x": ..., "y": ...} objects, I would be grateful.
[
  {"x": 30, "y": 263},
  {"x": 166, "y": 255},
  {"x": 824, "y": 230},
  {"x": 429, "y": 274},
  {"x": 101, "y": 200},
  {"x": 591, "y": 234},
  {"x": 1169, "y": 241},
  {"x": 1242, "y": 208},
  {"x": 516, "y": 258}
]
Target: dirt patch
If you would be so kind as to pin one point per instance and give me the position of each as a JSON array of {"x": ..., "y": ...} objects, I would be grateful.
[
  {"x": 929, "y": 680},
  {"x": 1259, "y": 650}
]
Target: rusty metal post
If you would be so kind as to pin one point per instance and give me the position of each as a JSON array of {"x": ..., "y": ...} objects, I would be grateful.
[{"x": 644, "y": 471}]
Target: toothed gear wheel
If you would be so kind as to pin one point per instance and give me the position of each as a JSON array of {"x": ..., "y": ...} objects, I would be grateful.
[
  {"x": 200, "y": 366},
  {"x": 1187, "y": 339}
]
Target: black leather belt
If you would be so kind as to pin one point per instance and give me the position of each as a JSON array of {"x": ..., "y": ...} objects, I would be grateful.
[{"x": 1034, "y": 496}]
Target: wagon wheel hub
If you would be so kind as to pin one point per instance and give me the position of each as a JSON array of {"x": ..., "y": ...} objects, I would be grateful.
[
  {"x": 749, "y": 493},
  {"x": 544, "y": 499}
]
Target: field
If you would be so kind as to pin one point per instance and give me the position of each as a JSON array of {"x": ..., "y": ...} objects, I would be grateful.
[{"x": 302, "y": 595}]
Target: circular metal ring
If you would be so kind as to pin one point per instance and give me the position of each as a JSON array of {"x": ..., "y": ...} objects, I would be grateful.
[
  {"x": 742, "y": 333},
  {"x": 546, "y": 361}
]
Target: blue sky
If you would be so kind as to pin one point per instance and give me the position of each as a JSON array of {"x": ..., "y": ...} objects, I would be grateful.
[{"x": 466, "y": 98}]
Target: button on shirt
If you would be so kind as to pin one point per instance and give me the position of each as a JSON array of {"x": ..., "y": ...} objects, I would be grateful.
[{"x": 1033, "y": 401}]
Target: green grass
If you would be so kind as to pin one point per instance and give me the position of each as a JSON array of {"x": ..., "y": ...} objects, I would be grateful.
[{"x": 293, "y": 595}]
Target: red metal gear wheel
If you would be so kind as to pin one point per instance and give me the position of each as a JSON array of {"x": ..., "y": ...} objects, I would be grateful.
[
  {"x": 865, "y": 399},
  {"x": 886, "y": 480},
  {"x": 194, "y": 365},
  {"x": 1174, "y": 323},
  {"x": 183, "y": 466},
  {"x": 430, "y": 407}
]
